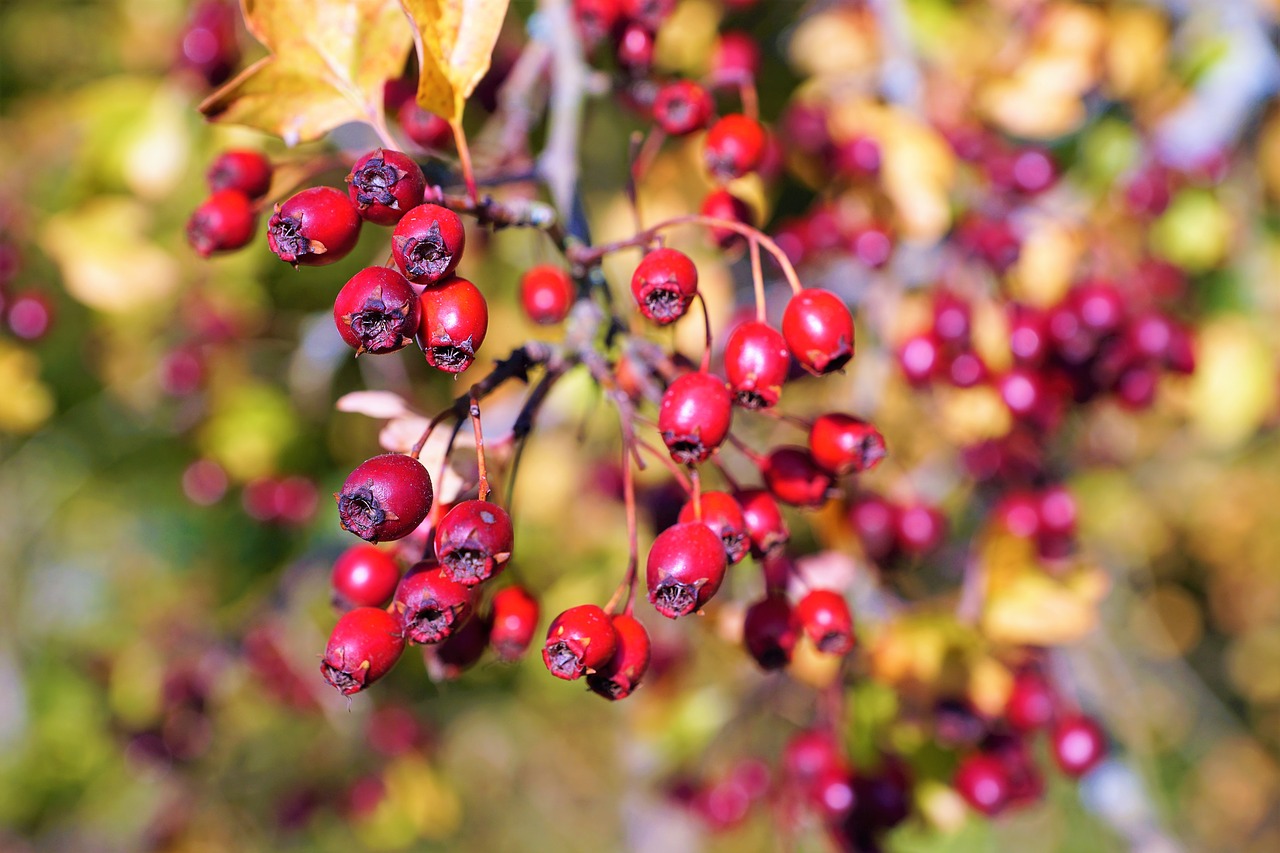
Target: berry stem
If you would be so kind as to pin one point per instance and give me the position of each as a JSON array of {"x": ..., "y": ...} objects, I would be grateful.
[
  {"x": 757, "y": 279},
  {"x": 706, "y": 324},
  {"x": 665, "y": 459},
  {"x": 745, "y": 84},
  {"x": 696, "y": 478},
  {"x": 744, "y": 450},
  {"x": 464, "y": 159},
  {"x": 474, "y": 411}
]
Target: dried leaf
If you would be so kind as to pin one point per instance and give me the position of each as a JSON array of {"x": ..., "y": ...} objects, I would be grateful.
[
  {"x": 455, "y": 40},
  {"x": 373, "y": 404}
]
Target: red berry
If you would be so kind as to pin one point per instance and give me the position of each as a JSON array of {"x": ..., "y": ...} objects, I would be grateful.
[
  {"x": 385, "y": 497},
  {"x": 385, "y": 185},
  {"x": 29, "y": 316},
  {"x": 473, "y": 541},
  {"x": 765, "y": 526},
  {"x": 1019, "y": 513},
  {"x": 756, "y": 363},
  {"x": 514, "y": 617},
  {"x": 843, "y": 444},
  {"x": 648, "y": 13},
  {"x": 722, "y": 204},
  {"x": 736, "y": 55},
  {"x": 809, "y": 755},
  {"x": 794, "y": 478},
  {"x": 818, "y": 329},
  {"x": 596, "y": 19},
  {"x": 455, "y": 318},
  {"x": 223, "y": 222},
  {"x": 681, "y": 107},
  {"x": 546, "y": 294},
  {"x": 425, "y": 128},
  {"x": 364, "y": 646},
  {"x": 1079, "y": 745},
  {"x": 686, "y": 566},
  {"x": 734, "y": 146},
  {"x": 635, "y": 49},
  {"x": 723, "y": 515},
  {"x": 243, "y": 170},
  {"x": 430, "y": 604},
  {"x": 208, "y": 45},
  {"x": 459, "y": 651},
  {"x": 365, "y": 576},
  {"x": 832, "y": 794},
  {"x": 694, "y": 416},
  {"x": 872, "y": 245},
  {"x": 315, "y": 227},
  {"x": 1031, "y": 702},
  {"x": 921, "y": 528},
  {"x": 769, "y": 632},
  {"x": 428, "y": 242},
  {"x": 965, "y": 370},
  {"x": 824, "y": 615},
  {"x": 1028, "y": 335},
  {"x": 875, "y": 521},
  {"x": 581, "y": 638},
  {"x": 1057, "y": 511},
  {"x": 664, "y": 284},
  {"x": 622, "y": 674},
  {"x": 920, "y": 359},
  {"x": 377, "y": 311},
  {"x": 857, "y": 158},
  {"x": 982, "y": 782}
]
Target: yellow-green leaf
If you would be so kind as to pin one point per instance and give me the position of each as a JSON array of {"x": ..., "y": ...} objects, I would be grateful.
[
  {"x": 329, "y": 61},
  {"x": 455, "y": 40}
]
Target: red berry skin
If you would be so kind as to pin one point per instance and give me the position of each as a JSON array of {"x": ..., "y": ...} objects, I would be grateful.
[
  {"x": 648, "y": 13},
  {"x": 809, "y": 755},
  {"x": 384, "y": 185},
  {"x": 686, "y": 566},
  {"x": 473, "y": 541},
  {"x": 377, "y": 311},
  {"x": 1031, "y": 702},
  {"x": 722, "y": 513},
  {"x": 756, "y": 363},
  {"x": 681, "y": 107},
  {"x": 596, "y": 19},
  {"x": 455, "y": 318},
  {"x": 223, "y": 222},
  {"x": 734, "y": 146},
  {"x": 459, "y": 651},
  {"x": 244, "y": 170},
  {"x": 794, "y": 478},
  {"x": 766, "y": 527},
  {"x": 364, "y": 646},
  {"x": 1079, "y": 745},
  {"x": 623, "y": 672},
  {"x": 29, "y": 316},
  {"x": 428, "y": 242},
  {"x": 920, "y": 528},
  {"x": 982, "y": 782},
  {"x": 430, "y": 605},
  {"x": 514, "y": 617},
  {"x": 315, "y": 227},
  {"x": 920, "y": 358},
  {"x": 580, "y": 639},
  {"x": 875, "y": 521},
  {"x": 694, "y": 416},
  {"x": 818, "y": 329},
  {"x": 365, "y": 576},
  {"x": 664, "y": 284},
  {"x": 736, "y": 54},
  {"x": 722, "y": 204},
  {"x": 824, "y": 615},
  {"x": 843, "y": 444},
  {"x": 385, "y": 498},
  {"x": 546, "y": 294},
  {"x": 769, "y": 632},
  {"x": 424, "y": 128}
]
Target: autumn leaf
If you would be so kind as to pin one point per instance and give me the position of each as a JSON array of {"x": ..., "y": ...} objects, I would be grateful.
[
  {"x": 328, "y": 64},
  {"x": 455, "y": 40}
]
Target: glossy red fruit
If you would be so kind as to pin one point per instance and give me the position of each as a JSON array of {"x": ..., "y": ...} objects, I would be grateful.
[
  {"x": 459, "y": 651},
  {"x": 514, "y": 617},
  {"x": 982, "y": 782},
  {"x": 546, "y": 294},
  {"x": 722, "y": 513},
  {"x": 724, "y": 205},
  {"x": 208, "y": 44},
  {"x": 1028, "y": 336},
  {"x": 756, "y": 363},
  {"x": 1057, "y": 511},
  {"x": 794, "y": 478},
  {"x": 1019, "y": 514},
  {"x": 920, "y": 528},
  {"x": 455, "y": 318},
  {"x": 634, "y": 50},
  {"x": 385, "y": 185},
  {"x": 843, "y": 444},
  {"x": 818, "y": 329},
  {"x": 686, "y": 566},
  {"x": 872, "y": 245},
  {"x": 315, "y": 227},
  {"x": 875, "y": 521},
  {"x": 824, "y": 615},
  {"x": 809, "y": 755},
  {"x": 920, "y": 358},
  {"x": 966, "y": 370},
  {"x": 364, "y": 646},
  {"x": 832, "y": 794},
  {"x": 648, "y": 13},
  {"x": 431, "y": 605},
  {"x": 737, "y": 54},
  {"x": 580, "y": 639},
  {"x": 681, "y": 107},
  {"x": 1078, "y": 744},
  {"x": 734, "y": 146},
  {"x": 365, "y": 576},
  {"x": 694, "y": 416},
  {"x": 769, "y": 632},
  {"x": 377, "y": 311},
  {"x": 473, "y": 541},
  {"x": 857, "y": 158},
  {"x": 428, "y": 242},
  {"x": 766, "y": 527},
  {"x": 240, "y": 169},
  {"x": 385, "y": 497},
  {"x": 664, "y": 284},
  {"x": 596, "y": 19},
  {"x": 623, "y": 672},
  {"x": 1031, "y": 704},
  {"x": 223, "y": 222},
  {"x": 424, "y": 128}
]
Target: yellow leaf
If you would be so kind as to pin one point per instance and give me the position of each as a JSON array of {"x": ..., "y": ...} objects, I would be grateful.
[
  {"x": 455, "y": 40},
  {"x": 1025, "y": 605},
  {"x": 1234, "y": 387},
  {"x": 329, "y": 61}
]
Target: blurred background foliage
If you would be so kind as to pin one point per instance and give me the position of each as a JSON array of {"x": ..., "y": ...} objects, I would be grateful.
[{"x": 169, "y": 446}]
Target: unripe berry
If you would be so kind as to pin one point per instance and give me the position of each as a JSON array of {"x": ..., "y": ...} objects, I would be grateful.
[
  {"x": 377, "y": 311},
  {"x": 681, "y": 107},
  {"x": 430, "y": 605},
  {"x": 843, "y": 444},
  {"x": 722, "y": 204},
  {"x": 455, "y": 318},
  {"x": 623, "y": 672},
  {"x": 1079, "y": 745},
  {"x": 514, "y": 614},
  {"x": 385, "y": 497},
  {"x": 756, "y": 364},
  {"x": 664, "y": 284},
  {"x": 818, "y": 329},
  {"x": 223, "y": 222},
  {"x": 428, "y": 242},
  {"x": 364, "y": 576},
  {"x": 364, "y": 646},
  {"x": 694, "y": 416},
  {"x": 769, "y": 632},
  {"x": 425, "y": 128},
  {"x": 385, "y": 185},
  {"x": 546, "y": 294},
  {"x": 315, "y": 227},
  {"x": 982, "y": 782},
  {"x": 580, "y": 639},
  {"x": 686, "y": 566},
  {"x": 765, "y": 526},
  {"x": 824, "y": 615},
  {"x": 734, "y": 146},
  {"x": 244, "y": 170},
  {"x": 794, "y": 478},
  {"x": 721, "y": 512},
  {"x": 473, "y": 541}
]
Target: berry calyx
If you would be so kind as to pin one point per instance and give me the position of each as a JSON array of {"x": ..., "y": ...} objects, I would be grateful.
[
  {"x": 223, "y": 222},
  {"x": 428, "y": 242},
  {"x": 617, "y": 678},
  {"x": 430, "y": 604},
  {"x": 824, "y": 615},
  {"x": 734, "y": 146},
  {"x": 818, "y": 329},
  {"x": 664, "y": 284},
  {"x": 377, "y": 311},
  {"x": 843, "y": 444},
  {"x": 756, "y": 363},
  {"x": 363, "y": 647},
  {"x": 721, "y": 512},
  {"x": 546, "y": 294},
  {"x": 513, "y": 615},
  {"x": 766, "y": 527},
  {"x": 385, "y": 497},
  {"x": 794, "y": 478},
  {"x": 580, "y": 639},
  {"x": 681, "y": 107},
  {"x": 694, "y": 416},
  {"x": 473, "y": 541},
  {"x": 240, "y": 169},
  {"x": 385, "y": 185},
  {"x": 769, "y": 632},
  {"x": 455, "y": 318},
  {"x": 364, "y": 576},
  {"x": 315, "y": 227},
  {"x": 1078, "y": 744},
  {"x": 686, "y": 566}
]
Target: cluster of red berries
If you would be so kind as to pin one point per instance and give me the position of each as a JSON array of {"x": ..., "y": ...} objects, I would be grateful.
[{"x": 228, "y": 218}]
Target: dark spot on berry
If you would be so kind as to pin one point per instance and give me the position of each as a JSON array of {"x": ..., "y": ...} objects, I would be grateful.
[
  {"x": 735, "y": 546},
  {"x": 775, "y": 658},
  {"x": 361, "y": 513},
  {"x": 685, "y": 449},
  {"x": 752, "y": 400},
  {"x": 379, "y": 326},
  {"x": 452, "y": 357},
  {"x": 467, "y": 564},
  {"x": 202, "y": 233},
  {"x": 563, "y": 661},
  {"x": 675, "y": 599},
  {"x": 374, "y": 181},
  {"x": 833, "y": 642},
  {"x": 346, "y": 682},
  {"x": 427, "y": 257},
  {"x": 606, "y": 687},
  {"x": 665, "y": 304},
  {"x": 429, "y": 624},
  {"x": 286, "y": 235}
]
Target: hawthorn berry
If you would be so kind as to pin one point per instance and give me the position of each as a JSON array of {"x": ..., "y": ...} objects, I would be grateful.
[
  {"x": 617, "y": 678},
  {"x": 223, "y": 222},
  {"x": 736, "y": 55},
  {"x": 580, "y": 639},
  {"x": 458, "y": 652},
  {"x": 794, "y": 478},
  {"x": 634, "y": 50},
  {"x": 514, "y": 617},
  {"x": 824, "y": 615},
  {"x": 377, "y": 311},
  {"x": 473, "y": 541},
  {"x": 30, "y": 315},
  {"x": 818, "y": 329},
  {"x": 239, "y": 169},
  {"x": 756, "y": 364},
  {"x": 875, "y": 521},
  {"x": 427, "y": 243},
  {"x": 455, "y": 318},
  {"x": 596, "y": 19},
  {"x": 424, "y": 128},
  {"x": 857, "y": 158},
  {"x": 808, "y": 755},
  {"x": 722, "y": 513},
  {"x": 1078, "y": 745},
  {"x": 722, "y": 204},
  {"x": 315, "y": 227},
  {"x": 648, "y": 13},
  {"x": 546, "y": 294},
  {"x": 430, "y": 604},
  {"x": 843, "y": 444},
  {"x": 920, "y": 528},
  {"x": 363, "y": 647},
  {"x": 1031, "y": 703},
  {"x": 686, "y": 566},
  {"x": 694, "y": 416},
  {"x": 769, "y": 632},
  {"x": 920, "y": 358},
  {"x": 983, "y": 783},
  {"x": 766, "y": 527},
  {"x": 734, "y": 146},
  {"x": 364, "y": 576},
  {"x": 681, "y": 107},
  {"x": 385, "y": 185},
  {"x": 664, "y": 284},
  {"x": 385, "y": 497}
]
